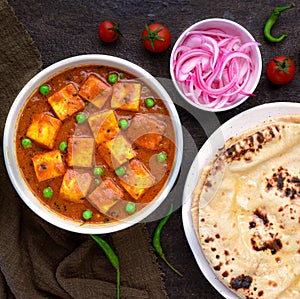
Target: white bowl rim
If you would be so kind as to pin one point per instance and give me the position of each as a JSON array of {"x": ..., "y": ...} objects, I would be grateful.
[
  {"x": 257, "y": 50},
  {"x": 9, "y": 143}
]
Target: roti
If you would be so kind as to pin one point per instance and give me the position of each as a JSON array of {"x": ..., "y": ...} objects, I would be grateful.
[{"x": 246, "y": 211}]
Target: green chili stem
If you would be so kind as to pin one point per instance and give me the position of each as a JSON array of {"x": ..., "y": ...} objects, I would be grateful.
[
  {"x": 113, "y": 258},
  {"x": 118, "y": 283},
  {"x": 156, "y": 240},
  {"x": 170, "y": 265},
  {"x": 272, "y": 20}
]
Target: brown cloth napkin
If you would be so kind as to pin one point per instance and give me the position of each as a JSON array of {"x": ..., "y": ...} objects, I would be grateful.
[{"x": 38, "y": 260}]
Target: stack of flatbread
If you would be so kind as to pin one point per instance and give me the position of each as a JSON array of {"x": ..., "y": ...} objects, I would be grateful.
[{"x": 246, "y": 211}]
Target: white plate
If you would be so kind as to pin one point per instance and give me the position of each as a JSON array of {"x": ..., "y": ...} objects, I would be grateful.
[{"x": 232, "y": 127}]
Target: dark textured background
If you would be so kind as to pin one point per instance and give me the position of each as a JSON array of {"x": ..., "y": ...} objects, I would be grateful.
[{"x": 61, "y": 29}]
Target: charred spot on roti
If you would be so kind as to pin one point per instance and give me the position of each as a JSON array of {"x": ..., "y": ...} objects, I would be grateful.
[
  {"x": 248, "y": 159},
  {"x": 218, "y": 267},
  {"x": 260, "y": 293},
  {"x": 272, "y": 283},
  {"x": 261, "y": 213},
  {"x": 252, "y": 143},
  {"x": 274, "y": 244},
  {"x": 231, "y": 151},
  {"x": 241, "y": 281},
  {"x": 260, "y": 137},
  {"x": 296, "y": 180},
  {"x": 209, "y": 239},
  {"x": 225, "y": 274},
  {"x": 208, "y": 184},
  {"x": 287, "y": 184},
  {"x": 278, "y": 260}
]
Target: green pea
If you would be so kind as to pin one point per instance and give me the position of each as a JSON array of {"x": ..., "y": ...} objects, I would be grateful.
[
  {"x": 44, "y": 89},
  {"x": 149, "y": 102},
  {"x": 63, "y": 146},
  {"x": 130, "y": 207},
  {"x": 122, "y": 75},
  {"x": 87, "y": 214},
  {"x": 161, "y": 157},
  {"x": 81, "y": 118},
  {"x": 120, "y": 171},
  {"x": 26, "y": 142},
  {"x": 98, "y": 171},
  {"x": 123, "y": 123},
  {"x": 112, "y": 78},
  {"x": 48, "y": 192}
]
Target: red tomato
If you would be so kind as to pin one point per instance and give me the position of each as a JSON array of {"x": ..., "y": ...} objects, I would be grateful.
[
  {"x": 109, "y": 31},
  {"x": 281, "y": 70},
  {"x": 156, "y": 38}
]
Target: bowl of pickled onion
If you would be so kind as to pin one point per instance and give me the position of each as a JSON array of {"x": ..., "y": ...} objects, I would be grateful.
[{"x": 216, "y": 64}]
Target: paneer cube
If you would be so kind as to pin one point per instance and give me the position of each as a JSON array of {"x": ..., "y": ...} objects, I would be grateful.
[
  {"x": 107, "y": 194},
  {"x": 126, "y": 96},
  {"x": 44, "y": 129},
  {"x": 95, "y": 91},
  {"x": 48, "y": 165},
  {"x": 145, "y": 131},
  {"x": 137, "y": 179},
  {"x": 116, "y": 151},
  {"x": 75, "y": 186},
  {"x": 66, "y": 102},
  {"x": 80, "y": 151},
  {"x": 104, "y": 126}
]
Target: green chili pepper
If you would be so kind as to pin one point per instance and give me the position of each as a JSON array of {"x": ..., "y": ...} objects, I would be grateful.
[
  {"x": 156, "y": 240},
  {"x": 113, "y": 258},
  {"x": 272, "y": 20}
]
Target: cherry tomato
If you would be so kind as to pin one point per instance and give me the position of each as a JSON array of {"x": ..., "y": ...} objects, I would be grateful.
[
  {"x": 109, "y": 31},
  {"x": 156, "y": 38},
  {"x": 281, "y": 70}
]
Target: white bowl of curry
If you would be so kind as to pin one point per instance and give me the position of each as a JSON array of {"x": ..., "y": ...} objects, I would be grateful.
[{"x": 93, "y": 144}]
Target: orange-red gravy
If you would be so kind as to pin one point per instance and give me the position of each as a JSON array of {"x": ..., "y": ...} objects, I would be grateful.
[{"x": 38, "y": 103}]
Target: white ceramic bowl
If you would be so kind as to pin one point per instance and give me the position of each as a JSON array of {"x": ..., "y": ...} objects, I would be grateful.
[
  {"x": 9, "y": 144},
  {"x": 231, "y": 28}
]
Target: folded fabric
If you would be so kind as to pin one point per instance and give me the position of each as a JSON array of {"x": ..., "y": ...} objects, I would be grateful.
[{"x": 38, "y": 260}]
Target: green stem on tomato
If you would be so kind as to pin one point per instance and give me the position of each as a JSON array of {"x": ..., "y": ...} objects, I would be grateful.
[{"x": 153, "y": 35}]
